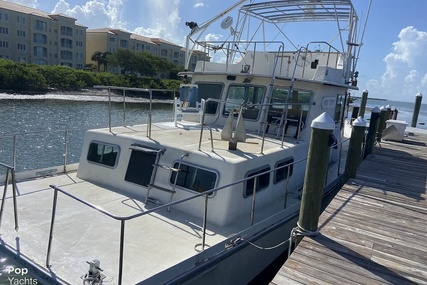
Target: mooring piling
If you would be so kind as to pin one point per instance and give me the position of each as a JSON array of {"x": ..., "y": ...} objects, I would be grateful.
[
  {"x": 417, "y": 107},
  {"x": 372, "y": 131},
  {"x": 354, "y": 155}
]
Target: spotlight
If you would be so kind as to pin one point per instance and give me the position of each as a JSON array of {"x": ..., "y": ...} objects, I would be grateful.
[{"x": 191, "y": 25}]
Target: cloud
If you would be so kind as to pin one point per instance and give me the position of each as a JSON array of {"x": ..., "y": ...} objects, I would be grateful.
[
  {"x": 29, "y": 3},
  {"x": 94, "y": 13},
  {"x": 405, "y": 74},
  {"x": 161, "y": 19},
  {"x": 199, "y": 5}
]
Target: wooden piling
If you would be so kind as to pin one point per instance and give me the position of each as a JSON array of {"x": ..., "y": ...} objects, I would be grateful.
[
  {"x": 372, "y": 131},
  {"x": 363, "y": 103},
  {"x": 381, "y": 123},
  {"x": 316, "y": 172},
  {"x": 354, "y": 155},
  {"x": 417, "y": 107}
]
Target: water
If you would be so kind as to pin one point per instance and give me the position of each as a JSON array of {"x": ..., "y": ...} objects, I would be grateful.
[
  {"x": 405, "y": 110},
  {"x": 39, "y": 125}
]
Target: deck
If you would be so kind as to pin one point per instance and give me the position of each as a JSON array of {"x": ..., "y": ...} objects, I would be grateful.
[{"x": 375, "y": 229}]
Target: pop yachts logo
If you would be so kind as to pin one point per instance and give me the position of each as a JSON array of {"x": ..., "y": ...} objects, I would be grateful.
[{"x": 18, "y": 276}]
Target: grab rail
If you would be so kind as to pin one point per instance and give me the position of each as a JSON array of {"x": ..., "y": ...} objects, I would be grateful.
[
  {"x": 123, "y": 219},
  {"x": 10, "y": 169}
]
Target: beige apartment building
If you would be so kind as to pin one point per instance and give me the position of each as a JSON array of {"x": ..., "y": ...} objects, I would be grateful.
[
  {"x": 110, "y": 40},
  {"x": 33, "y": 36}
]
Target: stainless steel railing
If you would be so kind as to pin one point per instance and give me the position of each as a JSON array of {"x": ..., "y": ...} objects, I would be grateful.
[{"x": 11, "y": 170}]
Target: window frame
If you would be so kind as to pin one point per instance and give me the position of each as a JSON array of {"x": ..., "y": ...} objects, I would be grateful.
[
  {"x": 99, "y": 162},
  {"x": 197, "y": 167},
  {"x": 285, "y": 161},
  {"x": 248, "y": 186},
  {"x": 254, "y": 94}
]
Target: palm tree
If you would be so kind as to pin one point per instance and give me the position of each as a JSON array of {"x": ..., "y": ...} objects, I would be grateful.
[
  {"x": 97, "y": 57},
  {"x": 104, "y": 59}
]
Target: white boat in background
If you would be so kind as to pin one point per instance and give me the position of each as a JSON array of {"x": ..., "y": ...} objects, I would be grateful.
[{"x": 210, "y": 198}]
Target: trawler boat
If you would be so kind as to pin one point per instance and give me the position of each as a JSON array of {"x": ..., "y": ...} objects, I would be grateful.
[{"x": 211, "y": 197}]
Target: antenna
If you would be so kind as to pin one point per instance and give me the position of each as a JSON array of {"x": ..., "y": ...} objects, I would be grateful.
[{"x": 226, "y": 23}]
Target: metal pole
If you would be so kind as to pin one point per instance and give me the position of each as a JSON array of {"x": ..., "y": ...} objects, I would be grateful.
[
  {"x": 14, "y": 151},
  {"x": 124, "y": 107},
  {"x": 316, "y": 172},
  {"x": 15, "y": 205},
  {"x": 109, "y": 109},
  {"x": 52, "y": 223},
  {"x": 149, "y": 115},
  {"x": 417, "y": 107},
  {"x": 122, "y": 243},
  {"x": 253, "y": 201},
  {"x": 355, "y": 147},
  {"x": 363, "y": 103},
  {"x": 205, "y": 217},
  {"x": 287, "y": 186},
  {"x": 65, "y": 151},
  {"x": 6, "y": 182}
]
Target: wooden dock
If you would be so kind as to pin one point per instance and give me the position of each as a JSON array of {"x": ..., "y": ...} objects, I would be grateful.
[{"x": 375, "y": 229}]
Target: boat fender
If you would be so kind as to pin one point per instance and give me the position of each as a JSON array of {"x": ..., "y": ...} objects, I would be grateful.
[
  {"x": 227, "y": 131},
  {"x": 240, "y": 133}
]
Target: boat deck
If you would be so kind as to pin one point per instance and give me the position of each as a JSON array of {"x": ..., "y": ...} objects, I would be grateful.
[
  {"x": 153, "y": 242},
  {"x": 375, "y": 229}
]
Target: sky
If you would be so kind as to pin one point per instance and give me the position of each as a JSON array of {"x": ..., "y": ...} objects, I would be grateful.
[{"x": 393, "y": 58}]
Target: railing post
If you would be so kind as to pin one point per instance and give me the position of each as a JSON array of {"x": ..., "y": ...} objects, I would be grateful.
[
  {"x": 14, "y": 152},
  {"x": 355, "y": 147},
  {"x": 124, "y": 107},
  {"x": 52, "y": 223},
  {"x": 122, "y": 244},
  {"x": 418, "y": 99},
  {"x": 149, "y": 115},
  {"x": 65, "y": 151},
  {"x": 253, "y": 200},
  {"x": 109, "y": 109},
  {"x": 373, "y": 126},
  {"x": 15, "y": 205},
  {"x": 205, "y": 218},
  {"x": 315, "y": 174},
  {"x": 6, "y": 182}
]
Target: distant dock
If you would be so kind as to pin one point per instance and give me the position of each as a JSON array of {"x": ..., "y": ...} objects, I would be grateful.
[{"x": 375, "y": 230}]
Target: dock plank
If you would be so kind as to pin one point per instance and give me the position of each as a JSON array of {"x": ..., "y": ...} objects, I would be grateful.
[{"x": 375, "y": 229}]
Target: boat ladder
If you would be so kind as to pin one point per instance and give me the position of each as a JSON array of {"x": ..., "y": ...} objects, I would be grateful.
[{"x": 153, "y": 178}]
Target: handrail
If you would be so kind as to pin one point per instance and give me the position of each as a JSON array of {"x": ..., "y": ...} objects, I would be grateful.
[
  {"x": 123, "y": 219},
  {"x": 6, "y": 182},
  {"x": 124, "y": 89},
  {"x": 285, "y": 105}
]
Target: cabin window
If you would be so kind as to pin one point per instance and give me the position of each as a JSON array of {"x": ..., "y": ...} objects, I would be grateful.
[
  {"x": 248, "y": 94},
  {"x": 262, "y": 183},
  {"x": 282, "y": 169},
  {"x": 339, "y": 108},
  {"x": 210, "y": 90},
  {"x": 101, "y": 153},
  {"x": 194, "y": 178},
  {"x": 140, "y": 165}
]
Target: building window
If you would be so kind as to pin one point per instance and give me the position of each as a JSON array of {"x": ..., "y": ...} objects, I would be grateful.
[
  {"x": 79, "y": 44},
  {"x": 66, "y": 43},
  {"x": 4, "y": 44},
  {"x": 164, "y": 52},
  {"x": 40, "y": 51},
  {"x": 282, "y": 168},
  {"x": 79, "y": 66},
  {"x": 20, "y": 46},
  {"x": 112, "y": 50},
  {"x": 262, "y": 181},
  {"x": 4, "y": 30},
  {"x": 4, "y": 56},
  {"x": 40, "y": 26},
  {"x": 40, "y": 62},
  {"x": 40, "y": 39},
  {"x": 22, "y": 59},
  {"x": 20, "y": 33},
  {"x": 79, "y": 32},
  {"x": 175, "y": 54},
  {"x": 66, "y": 31},
  {"x": 20, "y": 19},
  {"x": 148, "y": 48},
  {"x": 66, "y": 54},
  {"x": 194, "y": 178},
  {"x": 112, "y": 39},
  {"x": 123, "y": 43},
  {"x": 104, "y": 154},
  {"x": 4, "y": 16},
  {"x": 139, "y": 47},
  {"x": 66, "y": 64}
]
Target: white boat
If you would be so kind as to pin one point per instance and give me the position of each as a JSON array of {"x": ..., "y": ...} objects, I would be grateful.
[{"x": 211, "y": 197}]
